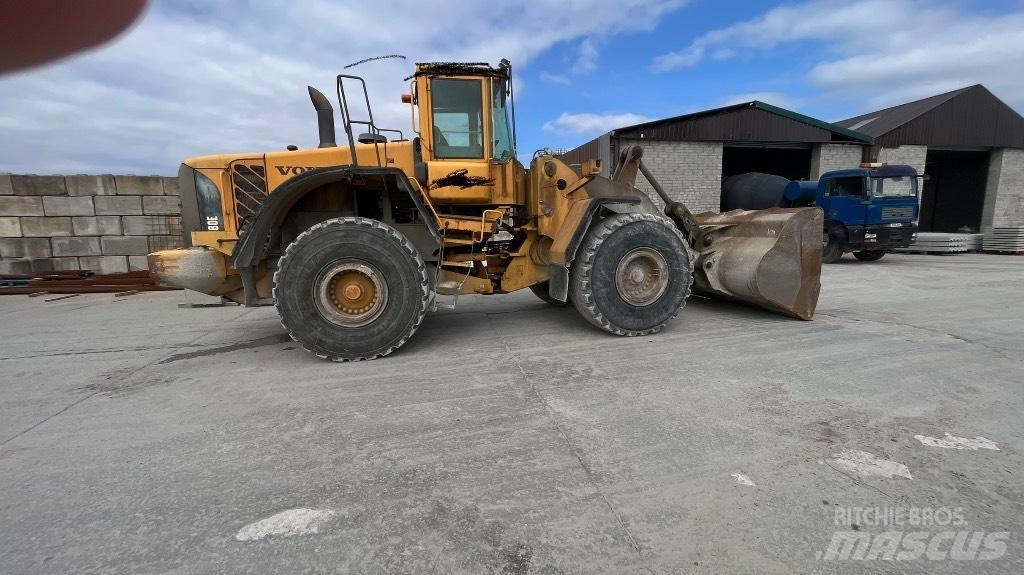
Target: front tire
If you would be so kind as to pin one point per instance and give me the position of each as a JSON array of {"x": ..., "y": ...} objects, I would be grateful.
[
  {"x": 832, "y": 250},
  {"x": 632, "y": 274},
  {"x": 869, "y": 255},
  {"x": 351, "y": 289}
]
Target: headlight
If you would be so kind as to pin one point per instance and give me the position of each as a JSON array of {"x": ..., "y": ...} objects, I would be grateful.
[{"x": 211, "y": 217}]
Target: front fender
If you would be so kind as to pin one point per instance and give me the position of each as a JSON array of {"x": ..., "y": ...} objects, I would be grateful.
[
  {"x": 570, "y": 235},
  {"x": 252, "y": 245}
]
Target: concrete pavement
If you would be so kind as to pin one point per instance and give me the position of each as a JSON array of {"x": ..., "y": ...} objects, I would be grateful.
[{"x": 511, "y": 437}]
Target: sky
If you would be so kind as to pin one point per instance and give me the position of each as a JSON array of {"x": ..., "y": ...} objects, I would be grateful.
[{"x": 196, "y": 77}]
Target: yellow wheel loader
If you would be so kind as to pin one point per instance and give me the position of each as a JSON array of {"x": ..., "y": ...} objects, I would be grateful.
[{"x": 355, "y": 243}]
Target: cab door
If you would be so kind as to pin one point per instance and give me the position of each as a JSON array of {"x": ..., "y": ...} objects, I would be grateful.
[
  {"x": 458, "y": 170},
  {"x": 846, "y": 199}
]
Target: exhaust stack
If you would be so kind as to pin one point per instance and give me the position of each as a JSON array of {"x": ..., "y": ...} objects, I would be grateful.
[{"x": 324, "y": 117}]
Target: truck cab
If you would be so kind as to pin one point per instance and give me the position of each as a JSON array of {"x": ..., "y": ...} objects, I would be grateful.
[{"x": 868, "y": 210}]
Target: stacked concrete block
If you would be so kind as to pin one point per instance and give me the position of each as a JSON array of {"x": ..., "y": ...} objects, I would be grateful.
[
  {"x": 25, "y": 248},
  {"x": 828, "y": 157},
  {"x": 20, "y": 206},
  {"x": 124, "y": 245},
  {"x": 164, "y": 205},
  {"x": 105, "y": 223},
  {"x": 96, "y": 225},
  {"x": 76, "y": 246},
  {"x": 691, "y": 172},
  {"x": 45, "y": 227},
  {"x": 6, "y": 186},
  {"x": 90, "y": 185},
  {"x": 38, "y": 185},
  {"x": 10, "y": 227},
  {"x": 119, "y": 205}
]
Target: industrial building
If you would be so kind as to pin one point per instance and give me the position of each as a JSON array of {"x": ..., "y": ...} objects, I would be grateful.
[
  {"x": 970, "y": 146},
  {"x": 968, "y": 143}
]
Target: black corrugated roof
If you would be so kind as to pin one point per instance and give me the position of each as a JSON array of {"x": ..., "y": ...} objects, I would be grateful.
[
  {"x": 674, "y": 127},
  {"x": 883, "y": 121},
  {"x": 968, "y": 117}
]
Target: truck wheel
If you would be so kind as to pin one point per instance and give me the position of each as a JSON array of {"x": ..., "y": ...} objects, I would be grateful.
[
  {"x": 869, "y": 255},
  {"x": 632, "y": 274},
  {"x": 832, "y": 248},
  {"x": 541, "y": 290},
  {"x": 351, "y": 288}
]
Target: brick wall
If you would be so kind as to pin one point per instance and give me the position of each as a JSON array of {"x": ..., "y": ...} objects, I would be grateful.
[
  {"x": 690, "y": 172},
  {"x": 909, "y": 155},
  {"x": 828, "y": 157},
  {"x": 103, "y": 223},
  {"x": 1004, "y": 190}
]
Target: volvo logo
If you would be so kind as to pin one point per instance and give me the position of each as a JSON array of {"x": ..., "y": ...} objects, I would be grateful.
[{"x": 293, "y": 170}]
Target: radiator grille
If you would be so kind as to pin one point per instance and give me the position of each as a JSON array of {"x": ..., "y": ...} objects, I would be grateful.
[
  {"x": 898, "y": 213},
  {"x": 249, "y": 182}
]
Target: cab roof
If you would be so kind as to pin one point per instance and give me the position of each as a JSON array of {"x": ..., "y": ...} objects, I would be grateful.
[
  {"x": 886, "y": 171},
  {"x": 462, "y": 69}
]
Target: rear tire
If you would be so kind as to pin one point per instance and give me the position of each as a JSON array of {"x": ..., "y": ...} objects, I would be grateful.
[
  {"x": 632, "y": 274},
  {"x": 832, "y": 250},
  {"x": 869, "y": 255},
  {"x": 541, "y": 290},
  {"x": 351, "y": 289}
]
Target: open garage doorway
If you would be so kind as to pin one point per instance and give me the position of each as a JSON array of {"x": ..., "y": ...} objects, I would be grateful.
[
  {"x": 789, "y": 162},
  {"x": 954, "y": 190}
]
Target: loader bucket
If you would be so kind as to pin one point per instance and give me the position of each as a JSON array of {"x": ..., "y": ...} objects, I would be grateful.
[{"x": 766, "y": 258}]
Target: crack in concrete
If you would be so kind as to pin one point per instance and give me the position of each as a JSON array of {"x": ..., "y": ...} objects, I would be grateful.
[
  {"x": 933, "y": 331},
  {"x": 572, "y": 449}
]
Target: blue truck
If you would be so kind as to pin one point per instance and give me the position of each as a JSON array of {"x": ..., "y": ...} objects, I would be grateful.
[{"x": 868, "y": 210}]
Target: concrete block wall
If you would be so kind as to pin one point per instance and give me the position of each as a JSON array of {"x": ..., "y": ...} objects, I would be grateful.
[
  {"x": 828, "y": 157},
  {"x": 910, "y": 155},
  {"x": 104, "y": 223},
  {"x": 690, "y": 172},
  {"x": 1004, "y": 190}
]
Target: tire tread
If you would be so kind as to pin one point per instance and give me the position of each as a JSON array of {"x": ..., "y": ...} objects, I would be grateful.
[
  {"x": 581, "y": 292},
  {"x": 387, "y": 232}
]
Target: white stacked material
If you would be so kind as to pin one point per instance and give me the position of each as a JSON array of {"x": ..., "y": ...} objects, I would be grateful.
[
  {"x": 975, "y": 242},
  {"x": 933, "y": 242},
  {"x": 1005, "y": 240}
]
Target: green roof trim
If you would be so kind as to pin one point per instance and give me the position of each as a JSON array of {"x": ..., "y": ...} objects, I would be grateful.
[
  {"x": 757, "y": 104},
  {"x": 852, "y": 134}
]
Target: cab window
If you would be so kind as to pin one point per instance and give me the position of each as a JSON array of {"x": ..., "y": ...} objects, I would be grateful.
[
  {"x": 503, "y": 145},
  {"x": 853, "y": 186},
  {"x": 458, "y": 118}
]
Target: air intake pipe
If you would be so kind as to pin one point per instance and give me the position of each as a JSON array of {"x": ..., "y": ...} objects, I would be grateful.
[{"x": 324, "y": 117}]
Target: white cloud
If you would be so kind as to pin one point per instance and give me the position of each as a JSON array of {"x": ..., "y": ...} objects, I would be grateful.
[
  {"x": 560, "y": 79},
  {"x": 881, "y": 52},
  {"x": 591, "y": 124},
  {"x": 196, "y": 78},
  {"x": 681, "y": 59},
  {"x": 586, "y": 58}
]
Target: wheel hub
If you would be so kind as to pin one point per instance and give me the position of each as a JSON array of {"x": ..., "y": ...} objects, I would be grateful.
[
  {"x": 642, "y": 276},
  {"x": 350, "y": 293}
]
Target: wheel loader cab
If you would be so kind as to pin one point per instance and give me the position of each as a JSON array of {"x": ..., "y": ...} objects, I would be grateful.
[{"x": 466, "y": 135}]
